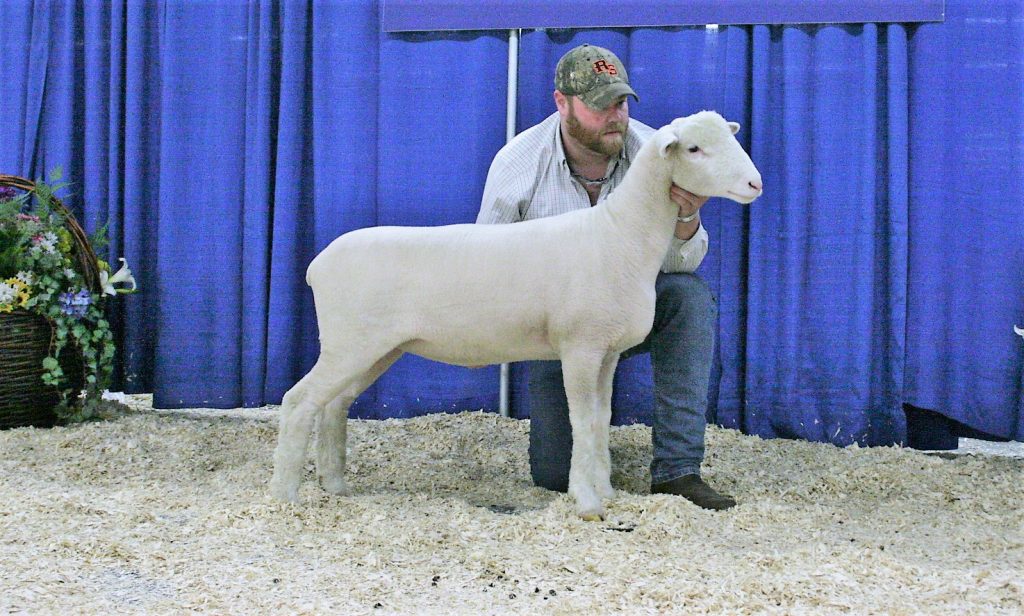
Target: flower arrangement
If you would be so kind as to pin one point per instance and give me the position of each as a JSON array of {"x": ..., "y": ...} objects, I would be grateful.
[{"x": 38, "y": 274}]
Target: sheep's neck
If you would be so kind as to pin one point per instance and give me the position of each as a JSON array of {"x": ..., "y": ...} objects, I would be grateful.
[{"x": 643, "y": 217}]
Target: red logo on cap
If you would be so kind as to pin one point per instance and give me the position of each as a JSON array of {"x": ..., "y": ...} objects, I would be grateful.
[{"x": 602, "y": 66}]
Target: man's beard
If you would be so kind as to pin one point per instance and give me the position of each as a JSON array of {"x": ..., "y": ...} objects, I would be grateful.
[{"x": 592, "y": 139}]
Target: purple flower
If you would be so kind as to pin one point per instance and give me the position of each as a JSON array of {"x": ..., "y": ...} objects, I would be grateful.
[
  {"x": 7, "y": 193},
  {"x": 75, "y": 304},
  {"x": 66, "y": 305}
]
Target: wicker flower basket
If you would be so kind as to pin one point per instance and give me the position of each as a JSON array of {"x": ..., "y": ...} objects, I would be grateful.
[{"x": 26, "y": 339}]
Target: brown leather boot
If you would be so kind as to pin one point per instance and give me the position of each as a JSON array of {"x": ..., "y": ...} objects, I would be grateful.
[{"x": 693, "y": 489}]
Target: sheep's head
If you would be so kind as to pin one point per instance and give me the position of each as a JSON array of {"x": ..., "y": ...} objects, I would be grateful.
[{"x": 707, "y": 158}]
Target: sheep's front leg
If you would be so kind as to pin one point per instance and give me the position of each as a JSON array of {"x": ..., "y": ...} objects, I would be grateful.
[
  {"x": 580, "y": 371},
  {"x": 602, "y": 423}
]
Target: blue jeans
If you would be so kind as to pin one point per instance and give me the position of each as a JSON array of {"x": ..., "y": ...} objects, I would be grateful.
[{"x": 681, "y": 344}]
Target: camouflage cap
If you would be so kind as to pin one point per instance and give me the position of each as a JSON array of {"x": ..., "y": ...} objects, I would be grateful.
[{"x": 594, "y": 74}]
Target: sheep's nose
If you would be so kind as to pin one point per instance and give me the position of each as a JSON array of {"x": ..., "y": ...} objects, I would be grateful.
[{"x": 756, "y": 185}]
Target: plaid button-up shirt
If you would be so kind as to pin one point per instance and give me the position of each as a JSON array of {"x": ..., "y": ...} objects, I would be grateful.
[{"x": 529, "y": 178}]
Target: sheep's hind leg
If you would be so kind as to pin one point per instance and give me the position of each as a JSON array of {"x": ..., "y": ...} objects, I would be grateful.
[
  {"x": 331, "y": 444},
  {"x": 580, "y": 371},
  {"x": 329, "y": 377},
  {"x": 332, "y": 436}
]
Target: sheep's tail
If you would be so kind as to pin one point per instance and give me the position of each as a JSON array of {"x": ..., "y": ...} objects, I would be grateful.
[
  {"x": 311, "y": 270},
  {"x": 315, "y": 271},
  {"x": 328, "y": 264}
]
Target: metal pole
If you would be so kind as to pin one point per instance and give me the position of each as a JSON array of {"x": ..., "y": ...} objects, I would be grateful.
[
  {"x": 513, "y": 84},
  {"x": 510, "y": 132}
]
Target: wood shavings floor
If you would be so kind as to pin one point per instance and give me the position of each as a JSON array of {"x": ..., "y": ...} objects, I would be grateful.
[{"x": 166, "y": 512}]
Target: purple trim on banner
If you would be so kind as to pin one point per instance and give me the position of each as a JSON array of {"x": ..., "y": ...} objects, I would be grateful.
[{"x": 427, "y": 15}]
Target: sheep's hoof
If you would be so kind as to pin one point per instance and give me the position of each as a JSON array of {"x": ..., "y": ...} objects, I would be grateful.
[
  {"x": 282, "y": 493},
  {"x": 593, "y": 513},
  {"x": 335, "y": 485},
  {"x": 284, "y": 496}
]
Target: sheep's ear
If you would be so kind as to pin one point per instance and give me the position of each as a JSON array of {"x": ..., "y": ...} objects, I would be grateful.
[
  {"x": 734, "y": 127},
  {"x": 667, "y": 139}
]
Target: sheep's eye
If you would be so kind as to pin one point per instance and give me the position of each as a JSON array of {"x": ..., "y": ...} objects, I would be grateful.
[{"x": 693, "y": 149}]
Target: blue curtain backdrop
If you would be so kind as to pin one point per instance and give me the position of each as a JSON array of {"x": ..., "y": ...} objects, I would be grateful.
[{"x": 226, "y": 142}]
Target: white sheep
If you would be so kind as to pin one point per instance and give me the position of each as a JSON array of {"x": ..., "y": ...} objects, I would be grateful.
[{"x": 577, "y": 287}]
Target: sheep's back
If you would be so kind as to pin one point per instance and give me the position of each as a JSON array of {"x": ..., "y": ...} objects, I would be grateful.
[{"x": 471, "y": 272}]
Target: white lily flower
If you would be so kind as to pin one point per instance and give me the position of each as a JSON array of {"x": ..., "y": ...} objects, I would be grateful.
[
  {"x": 1019, "y": 331},
  {"x": 48, "y": 242},
  {"x": 7, "y": 293},
  {"x": 123, "y": 275}
]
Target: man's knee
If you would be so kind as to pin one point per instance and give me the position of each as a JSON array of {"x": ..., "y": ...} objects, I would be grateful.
[
  {"x": 686, "y": 292},
  {"x": 688, "y": 297}
]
